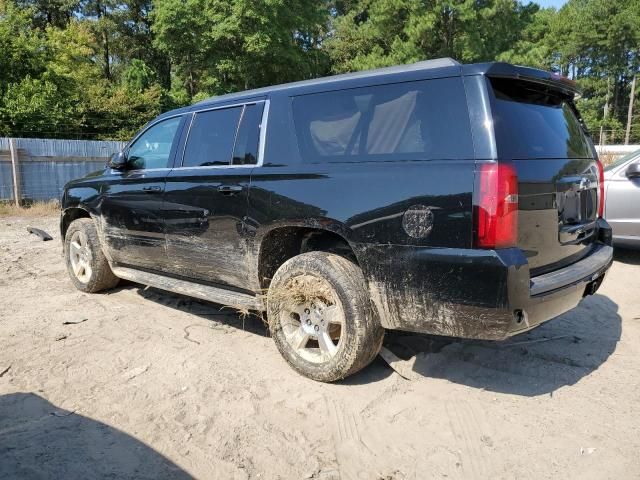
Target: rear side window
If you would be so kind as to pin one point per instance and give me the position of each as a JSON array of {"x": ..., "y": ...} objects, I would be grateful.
[
  {"x": 421, "y": 120},
  {"x": 211, "y": 138},
  {"x": 533, "y": 121}
]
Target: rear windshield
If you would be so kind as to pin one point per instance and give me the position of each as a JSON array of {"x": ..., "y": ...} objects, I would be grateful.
[
  {"x": 422, "y": 120},
  {"x": 533, "y": 121}
]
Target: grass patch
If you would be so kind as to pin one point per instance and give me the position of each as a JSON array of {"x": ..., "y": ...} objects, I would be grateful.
[{"x": 34, "y": 209}]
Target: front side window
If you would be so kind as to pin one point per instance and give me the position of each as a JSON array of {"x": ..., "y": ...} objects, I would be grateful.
[
  {"x": 211, "y": 138},
  {"x": 152, "y": 149},
  {"x": 420, "y": 120}
]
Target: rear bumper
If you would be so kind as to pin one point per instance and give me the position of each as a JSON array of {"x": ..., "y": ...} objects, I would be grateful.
[
  {"x": 485, "y": 294},
  {"x": 557, "y": 292}
]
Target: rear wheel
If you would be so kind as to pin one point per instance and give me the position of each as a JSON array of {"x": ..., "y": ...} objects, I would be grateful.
[
  {"x": 321, "y": 318},
  {"x": 87, "y": 266}
]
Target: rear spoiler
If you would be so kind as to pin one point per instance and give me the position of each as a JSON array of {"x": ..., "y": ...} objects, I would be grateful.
[{"x": 506, "y": 70}]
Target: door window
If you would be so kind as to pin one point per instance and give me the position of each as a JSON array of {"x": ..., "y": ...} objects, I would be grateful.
[
  {"x": 152, "y": 149},
  {"x": 420, "y": 120},
  {"x": 211, "y": 138},
  {"x": 245, "y": 151}
]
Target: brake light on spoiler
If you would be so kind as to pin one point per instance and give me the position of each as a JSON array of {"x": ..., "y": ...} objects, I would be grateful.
[{"x": 496, "y": 206}]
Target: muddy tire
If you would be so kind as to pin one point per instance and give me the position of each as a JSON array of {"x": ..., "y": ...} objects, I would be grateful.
[
  {"x": 321, "y": 317},
  {"x": 87, "y": 266}
]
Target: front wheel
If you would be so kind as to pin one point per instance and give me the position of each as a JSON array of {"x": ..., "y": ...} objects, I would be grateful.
[
  {"x": 321, "y": 317},
  {"x": 87, "y": 266}
]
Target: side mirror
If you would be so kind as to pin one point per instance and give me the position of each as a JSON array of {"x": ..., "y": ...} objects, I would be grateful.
[
  {"x": 118, "y": 160},
  {"x": 633, "y": 170}
]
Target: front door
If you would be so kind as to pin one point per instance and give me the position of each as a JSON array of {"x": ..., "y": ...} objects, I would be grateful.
[
  {"x": 622, "y": 201},
  {"x": 131, "y": 209},
  {"x": 206, "y": 196}
]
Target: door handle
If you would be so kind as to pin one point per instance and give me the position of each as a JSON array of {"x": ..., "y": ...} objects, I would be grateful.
[
  {"x": 152, "y": 189},
  {"x": 230, "y": 189}
]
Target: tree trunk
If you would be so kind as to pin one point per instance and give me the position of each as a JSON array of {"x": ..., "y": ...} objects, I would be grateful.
[
  {"x": 106, "y": 68},
  {"x": 105, "y": 53},
  {"x": 603, "y": 137},
  {"x": 630, "y": 111}
]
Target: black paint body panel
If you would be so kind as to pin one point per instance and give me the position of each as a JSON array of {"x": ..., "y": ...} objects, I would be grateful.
[{"x": 432, "y": 282}]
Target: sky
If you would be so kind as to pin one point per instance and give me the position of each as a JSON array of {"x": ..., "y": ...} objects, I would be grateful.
[{"x": 551, "y": 3}]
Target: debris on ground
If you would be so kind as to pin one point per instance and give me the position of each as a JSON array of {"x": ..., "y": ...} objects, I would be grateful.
[
  {"x": 186, "y": 333},
  {"x": 134, "y": 372},
  {"x": 41, "y": 233},
  {"x": 64, "y": 414},
  {"x": 540, "y": 340},
  {"x": 5, "y": 371},
  {"x": 69, "y": 322},
  {"x": 404, "y": 368}
]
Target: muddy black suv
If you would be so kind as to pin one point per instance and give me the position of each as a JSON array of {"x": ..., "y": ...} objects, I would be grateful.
[{"x": 457, "y": 200}]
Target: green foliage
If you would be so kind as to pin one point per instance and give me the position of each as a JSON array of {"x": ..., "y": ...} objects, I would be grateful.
[
  {"x": 103, "y": 68},
  {"x": 34, "y": 105},
  {"x": 21, "y": 47},
  {"x": 138, "y": 76},
  {"x": 240, "y": 44},
  {"x": 378, "y": 33}
]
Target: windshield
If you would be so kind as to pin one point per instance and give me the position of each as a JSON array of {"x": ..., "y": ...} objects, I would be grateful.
[
  {"x": 621, "y": 160},
  {"x": 535, "y": 121}
]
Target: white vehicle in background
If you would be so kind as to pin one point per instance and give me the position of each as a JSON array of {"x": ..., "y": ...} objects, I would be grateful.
[{"x": 622, "y": 199}]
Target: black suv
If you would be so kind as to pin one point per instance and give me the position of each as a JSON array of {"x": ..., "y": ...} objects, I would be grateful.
[{"x": 458, "y": 200}]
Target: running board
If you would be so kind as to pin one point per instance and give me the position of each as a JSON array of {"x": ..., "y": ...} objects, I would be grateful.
[{"x": 191, "y": 289}]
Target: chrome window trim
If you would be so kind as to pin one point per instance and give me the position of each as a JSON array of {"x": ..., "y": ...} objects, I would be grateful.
[
  {"x": 140, "y": 170},
  {"x": 261, "y": 138},
  {"x": 253, "y": 165},
  {"x": 231, "y": 105},
  {"x": 186, "y": 139},
  {"x": 263, "y": 134}
]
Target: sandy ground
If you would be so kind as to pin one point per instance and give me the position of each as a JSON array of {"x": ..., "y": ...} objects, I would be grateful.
[{"x": 141, "y": 384}]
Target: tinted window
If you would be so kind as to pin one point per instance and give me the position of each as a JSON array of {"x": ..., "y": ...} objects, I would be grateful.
[
  {"x": 533, "y": 121},
  {"x": 405, "y": 121},
  {"x": 246, "y": 148},
  {"x": 152, "y": 149},
  {"x": 211, "y": 138}
]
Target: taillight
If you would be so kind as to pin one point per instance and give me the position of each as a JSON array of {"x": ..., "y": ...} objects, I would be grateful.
[
  {"x": 600, "y": 188},
  {"x": 496, "y": 206}
]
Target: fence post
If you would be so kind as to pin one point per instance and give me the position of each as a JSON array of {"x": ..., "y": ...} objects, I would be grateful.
[{"x": 15, "y": 167}]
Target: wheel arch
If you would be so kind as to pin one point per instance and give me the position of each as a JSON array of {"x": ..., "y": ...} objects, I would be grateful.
[
  {"x": 69, "y": 215},
  {"x": 283, "y": 242}
]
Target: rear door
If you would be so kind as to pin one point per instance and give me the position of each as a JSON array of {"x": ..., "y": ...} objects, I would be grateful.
[
  {"x": 538, "y": 129},
  {"x": 207, "y": 194}
]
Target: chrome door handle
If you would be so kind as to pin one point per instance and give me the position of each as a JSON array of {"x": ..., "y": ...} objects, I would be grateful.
[{"x": 230, "y": 189}]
